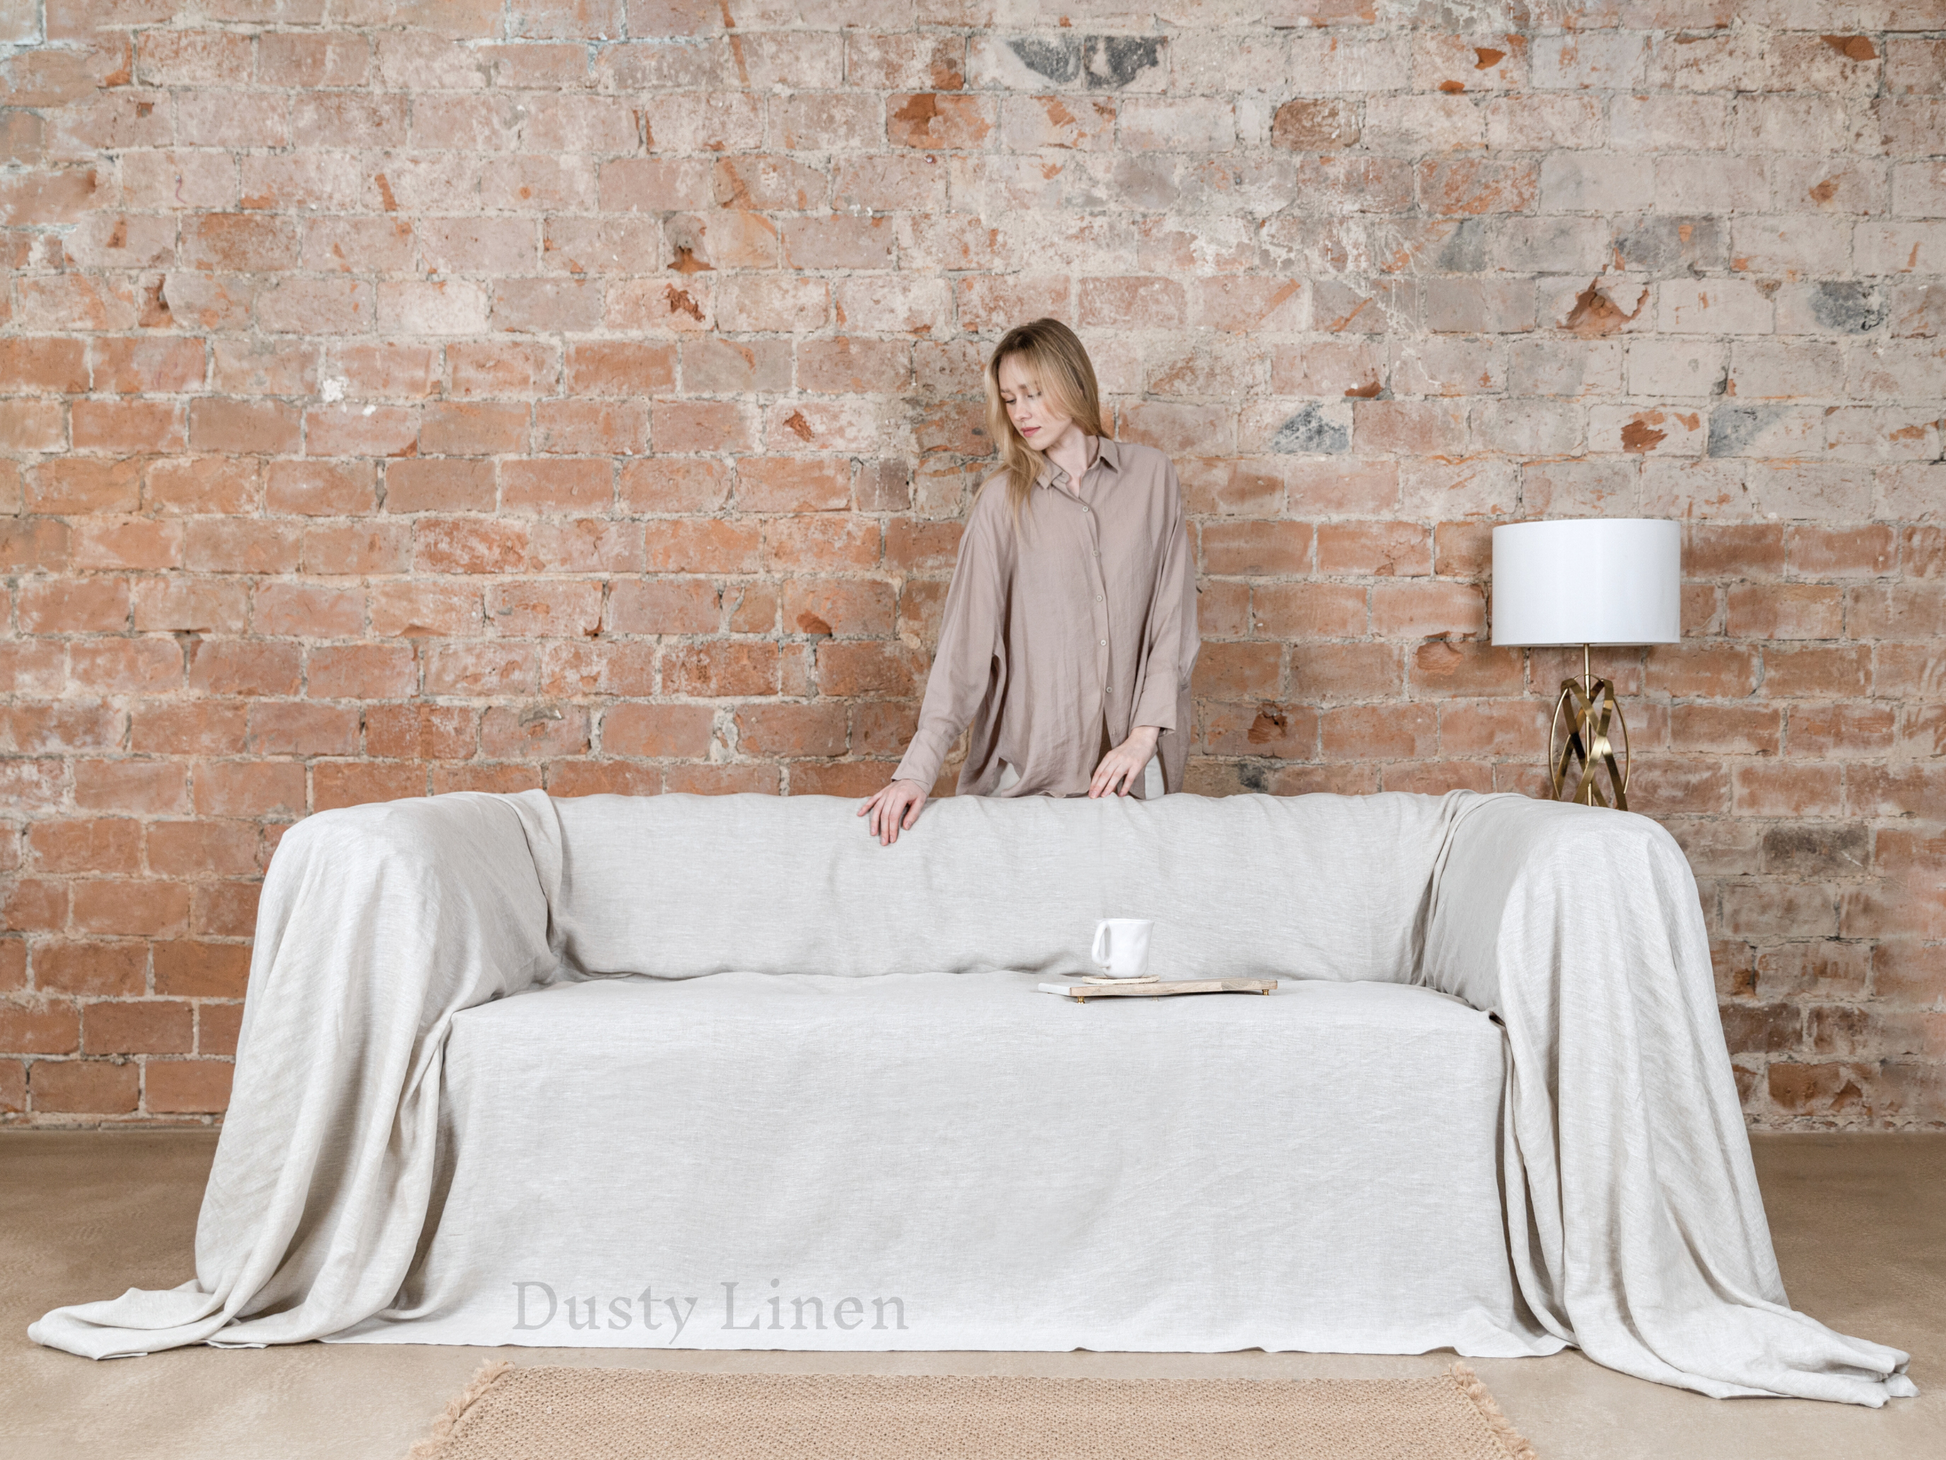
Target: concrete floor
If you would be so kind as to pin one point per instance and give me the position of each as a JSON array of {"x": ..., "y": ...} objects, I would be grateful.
[{"x": 1859, "y": 1221}]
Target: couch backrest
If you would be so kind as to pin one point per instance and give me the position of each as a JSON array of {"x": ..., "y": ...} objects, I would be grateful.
[{"x": 1327, "y": 887}]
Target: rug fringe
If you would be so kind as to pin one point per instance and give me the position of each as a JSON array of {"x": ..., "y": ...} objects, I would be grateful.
[
  {"x": 490, "y": 1373},
  {"x": 1511, "y": 1439}
]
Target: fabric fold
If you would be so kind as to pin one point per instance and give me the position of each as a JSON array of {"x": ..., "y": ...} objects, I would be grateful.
[
  {"x": 1637, "y": 1226},
  {"x": 377, "y": 924}
]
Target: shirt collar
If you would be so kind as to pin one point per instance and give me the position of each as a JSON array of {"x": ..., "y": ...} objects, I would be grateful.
[{"x": 1107, "y": 454}]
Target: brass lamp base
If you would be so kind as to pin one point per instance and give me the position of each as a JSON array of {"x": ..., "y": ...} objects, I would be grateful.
[{"x": 1579, "y": 753}]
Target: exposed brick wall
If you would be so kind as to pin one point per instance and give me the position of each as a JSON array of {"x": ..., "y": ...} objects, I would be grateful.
[{"x": 397, "y": 398}]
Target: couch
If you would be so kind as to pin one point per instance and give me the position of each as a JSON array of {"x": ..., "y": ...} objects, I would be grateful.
[{"x": 723, "y": 1072}]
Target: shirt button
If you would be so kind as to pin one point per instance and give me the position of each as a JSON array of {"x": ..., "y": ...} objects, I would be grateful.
[
  {"x": 1086, "y": 510},
  {"x": 1104, "y": 643},
  {"x": 1097, "y": 598}
]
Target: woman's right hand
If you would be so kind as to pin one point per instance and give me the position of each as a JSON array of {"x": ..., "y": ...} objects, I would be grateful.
[{"x": 893, "y": 809}]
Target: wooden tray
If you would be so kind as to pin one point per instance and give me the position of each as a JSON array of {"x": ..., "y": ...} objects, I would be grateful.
[{"x": 1081, "y": 992}]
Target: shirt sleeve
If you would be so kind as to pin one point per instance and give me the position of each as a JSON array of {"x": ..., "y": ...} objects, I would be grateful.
[
  {"x": 962, "y": 667},
  {"x": 1170, "y": 644}
]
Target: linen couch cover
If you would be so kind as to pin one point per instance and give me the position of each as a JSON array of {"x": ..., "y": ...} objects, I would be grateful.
[{"x": 1628, "y": 1166}]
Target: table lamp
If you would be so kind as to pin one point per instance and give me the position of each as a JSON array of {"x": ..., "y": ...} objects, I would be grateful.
[{"x": 1592, "y": 582}]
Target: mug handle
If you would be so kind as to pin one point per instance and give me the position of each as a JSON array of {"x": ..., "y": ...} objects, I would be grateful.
[{"x": 1103, "y": 935}]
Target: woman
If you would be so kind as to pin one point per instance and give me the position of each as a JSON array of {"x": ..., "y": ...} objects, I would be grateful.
[{"x": 1070, "y": 625}]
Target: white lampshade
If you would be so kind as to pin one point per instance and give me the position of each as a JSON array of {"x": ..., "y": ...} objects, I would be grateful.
[{"x": 1588, "y": 580}]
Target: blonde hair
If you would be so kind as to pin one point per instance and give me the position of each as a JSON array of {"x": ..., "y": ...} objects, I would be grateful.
[{"x": 1054, "y": 355}]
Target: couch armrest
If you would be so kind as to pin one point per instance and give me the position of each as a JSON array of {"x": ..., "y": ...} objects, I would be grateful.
[
  {"x": 1637, "y": 1229},
  {"x": 378, "y": 924}
]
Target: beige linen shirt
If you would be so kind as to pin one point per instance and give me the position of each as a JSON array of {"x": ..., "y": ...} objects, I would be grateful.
[{"x": 1064, "y": 630}]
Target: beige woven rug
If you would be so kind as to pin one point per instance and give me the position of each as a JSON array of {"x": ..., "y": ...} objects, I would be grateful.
[{"x": 509, "y": 1413}]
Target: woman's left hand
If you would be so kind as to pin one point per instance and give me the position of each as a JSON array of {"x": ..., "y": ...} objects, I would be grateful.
[{"x": 1121, "y": 769}]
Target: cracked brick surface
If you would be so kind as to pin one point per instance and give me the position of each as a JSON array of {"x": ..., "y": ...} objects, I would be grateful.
[{"x": 398, "y": 398}]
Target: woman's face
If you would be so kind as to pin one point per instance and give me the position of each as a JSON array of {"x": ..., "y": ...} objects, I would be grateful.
[{"x": 1034, "y": 415}]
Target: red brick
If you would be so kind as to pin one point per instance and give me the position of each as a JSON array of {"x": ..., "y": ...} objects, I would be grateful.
[
  {"x": 73, "y": 605},
  {"x": 187, "y": 1086},
  {"x": 620, "y": 368},
  {"x": 310, "y": 610},
  {"x": 40, "y": 1026},
  {"x": 63, "y": 726},
  {"x": 217, "y": 1026},
  {"x": 1380, "y": 732},
  {"x": 144, "y": 1027},
  {"x": 1788, "y": 789},
  {"x": 458, "y": 429},
  {"x": 29, "y": 905},
  {"x": 591, "y": 428},
  {"x": 844, "y": 607},
  {"x": 421, "y": 732},
  {"x": 439, "y": 486},
  {"x": 182, "y": 604},
  {"x": 137, "y": 786},
  {"x": 817, "y": 542},
  {"x": 1123, "y": 303},
  {"x": 1726, "y": 729},
  {"x": 37, "y": 365},
  {"x": 141, "y": 908},
  {"x": 249, "y": 788},
  {"x": 499, "y": 780},
  {"x": 656, "y": 731},
  {"x": 82, "y": 1087},
  {"x": 663, "y": 606},
  {"x": 791, "y": 731},
  {"x": 1826, "y": 552},
  {"x": 1785, "y": 611},
  {"x": 225, "y": 909},
  {"x": 1426, "y": 609},
  {"x": 244, "y": 427},
  {"x": 360, "y": 671},
  {"x": 335, "y": 783},
  {"x": 201, "y": 484},
  {"x": 793, "y": 484},
  {"x": 513, "y": 733},
  {"x": 483, "y": 669},
  {"x": 100, "y": 845},
  {"x": 659, "y": 484},
  {"x": 722, "y": 667},
  {"x": 1256, "y": 549},
  {"x": 1726, "y": 671},
  {"x": 701, "y": 426},
  {"x": 282, "y": 727},
  {"x": 100, "y": 969},
  {"x": 240, "y": 546},
  {"x": 357, "y": 547},
  {"x": 603, "y": 778},
  {"x": 556, "y": 486},
  {"x": 916, "y": 545},
  {"x": 939, "y": 119},
  {"x": 1464, "y": 667},
  {"x": 425, "y": 609},
  {"x": 469, "y": 545},
  {"x": 128, "y": 542},
  {"x": 80, "y": 485},
  {"x": 699, "y": 779},
  {"x": 1816, "y": 673},
  {"x": 1239, "y": 671},
  {"x": 1842, "y": 730},
  {"x": 124, "y": 426},
  {"x": 245, "y": 667}
]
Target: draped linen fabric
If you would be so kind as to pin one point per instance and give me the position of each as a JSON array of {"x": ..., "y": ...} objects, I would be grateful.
[{"x": 1638, "y": 1230}]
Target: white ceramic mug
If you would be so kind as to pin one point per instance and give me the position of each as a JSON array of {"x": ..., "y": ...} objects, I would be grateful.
[{"x": 1121, "y": 947}]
